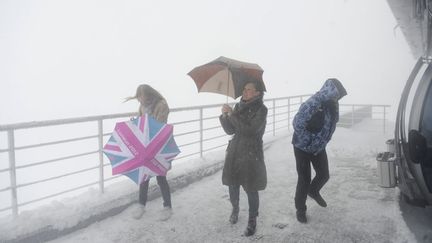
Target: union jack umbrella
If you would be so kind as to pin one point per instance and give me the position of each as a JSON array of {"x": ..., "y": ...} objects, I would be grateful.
[{"x": 141, "y": 148}]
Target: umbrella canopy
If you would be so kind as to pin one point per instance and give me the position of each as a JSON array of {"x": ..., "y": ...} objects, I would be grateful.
[
  {"x": 226, "y": 76},
  {"x": 141, "y": 148}
]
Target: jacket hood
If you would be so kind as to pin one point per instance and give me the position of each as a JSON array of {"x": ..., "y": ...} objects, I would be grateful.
[{"x": 332, "y": 89}]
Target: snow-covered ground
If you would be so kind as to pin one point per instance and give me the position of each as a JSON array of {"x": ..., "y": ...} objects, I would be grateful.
[{"x": 358, "y": 209}]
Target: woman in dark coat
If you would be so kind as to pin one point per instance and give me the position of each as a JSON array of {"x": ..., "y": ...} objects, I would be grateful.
[{"x": 244, "y": 162}]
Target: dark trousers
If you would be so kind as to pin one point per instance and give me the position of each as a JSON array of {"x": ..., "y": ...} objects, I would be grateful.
[
  {"x": 304, "y": 184},
  {"x": 253, "y": 200},
  {"x": 164, "y": 187}
]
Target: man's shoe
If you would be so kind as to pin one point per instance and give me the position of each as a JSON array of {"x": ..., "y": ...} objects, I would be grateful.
[
  {"x": 317, "y": 197},
  {"x": 234, "y": 215},
  {"x": 301, "y": 216},
  {"x": 251, "y": 227}
]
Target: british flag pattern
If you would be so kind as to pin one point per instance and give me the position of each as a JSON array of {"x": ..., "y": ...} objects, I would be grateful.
[{"x": 141, "y": 148}]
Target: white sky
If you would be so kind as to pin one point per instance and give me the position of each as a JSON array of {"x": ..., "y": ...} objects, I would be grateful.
[{"x": 62, "y": 59}]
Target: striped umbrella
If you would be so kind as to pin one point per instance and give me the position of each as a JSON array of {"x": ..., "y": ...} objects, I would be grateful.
[{"x": 227, "y": 76}]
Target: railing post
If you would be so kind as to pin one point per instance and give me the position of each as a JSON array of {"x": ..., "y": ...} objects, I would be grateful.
[
  {"x": 101, "y": 159},
  {"x": 274, "y": 117},
  {"x": 384, "y": 122},
  {"x": 12, "y": 172},
  {"x": 289, "y": 113},
  {"x": 352, "y": 116},
  {"x": 201, "y": 132}
]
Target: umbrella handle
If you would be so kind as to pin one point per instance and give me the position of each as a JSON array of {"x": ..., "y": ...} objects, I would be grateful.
[{"x": 228, "y": 83}]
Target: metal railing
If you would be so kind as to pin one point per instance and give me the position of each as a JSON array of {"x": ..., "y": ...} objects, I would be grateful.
[{"x": 196, "y": 130}]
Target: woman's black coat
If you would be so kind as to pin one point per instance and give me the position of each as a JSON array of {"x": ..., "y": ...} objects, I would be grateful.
[{"x": 244, "y": 161}]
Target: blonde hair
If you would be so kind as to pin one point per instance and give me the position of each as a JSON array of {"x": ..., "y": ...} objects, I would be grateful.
[{"x": 146, "y": 95}]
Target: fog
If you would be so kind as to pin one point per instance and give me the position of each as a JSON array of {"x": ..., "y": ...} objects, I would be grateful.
[{"x": 61, "y": 59}]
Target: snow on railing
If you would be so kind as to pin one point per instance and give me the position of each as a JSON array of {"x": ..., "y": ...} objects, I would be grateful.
[{"x": 43, "y": 159}]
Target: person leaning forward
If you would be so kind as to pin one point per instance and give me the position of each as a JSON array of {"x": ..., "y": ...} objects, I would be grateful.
[
  {"x": 154, "y": 104},
  {"x": 314, "y": 125},
  {"x": 244, "y": 162}
]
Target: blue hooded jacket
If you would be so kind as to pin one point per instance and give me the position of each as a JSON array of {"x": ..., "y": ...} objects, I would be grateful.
[{"x": 316, "y": 142}]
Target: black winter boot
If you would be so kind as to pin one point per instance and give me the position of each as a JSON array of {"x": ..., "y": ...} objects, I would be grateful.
[
  {"x": 234, "y": 215},
  {"x": 251, "y": 227},
  {"x": 318, "y": 198},
  {"x": 301, "y": 216}
]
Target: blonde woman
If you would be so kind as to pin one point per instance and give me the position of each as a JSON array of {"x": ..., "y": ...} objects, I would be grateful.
[{"x": 154, "y": 104}]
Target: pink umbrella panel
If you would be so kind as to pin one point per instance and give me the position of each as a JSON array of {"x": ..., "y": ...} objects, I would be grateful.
[{"x": 141, "y": 148}]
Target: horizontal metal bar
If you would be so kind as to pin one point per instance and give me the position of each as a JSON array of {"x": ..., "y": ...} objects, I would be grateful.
[
  {"x": 348, "y": 112},
  {"x": 281, "y": 113},
  {"x": 186, "y": 133},
  {"x": 187, "y": 155},
  {"x": 199, "y": 107},
  {"x": 5, "y": 189},
  {"x": 187, "y": 144},
  {"x": 54, "y": 160},
  {"x": 56, "y": 142},
  {"x": 184, "y": 122},
  {"x": 268, "y": 131},
  {"x": 288, "y": 97},
  {"x": 282, "y": 127},
  {"x": 212, "y": 148},
  {"x": 59, "y": 193},
  {"x": 211, "y": 128},
  {"x": 4, "y": 170},
  {"x": 210, "y": 118},
  {"x": 281, "y": 106},
  {"x": 364, "y": 105},
  {"x": 4, "y": 209},
  {"x": 33, "y": 124},
  {"x": 212, "y": 138},
  {"x": 295, "y": 104},
  {"x": 112, "y": 178},
  {"x": 285, "y": 119},
  {"x": 64, "y": 121},
  {"x": 57, "y": 177}
]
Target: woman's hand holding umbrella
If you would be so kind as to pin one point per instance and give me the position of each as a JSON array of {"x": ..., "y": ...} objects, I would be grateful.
[{"x": 226, "y": 110}]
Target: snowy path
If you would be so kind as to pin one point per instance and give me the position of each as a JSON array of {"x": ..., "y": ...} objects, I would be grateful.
[{"x": 358, "y": 209}]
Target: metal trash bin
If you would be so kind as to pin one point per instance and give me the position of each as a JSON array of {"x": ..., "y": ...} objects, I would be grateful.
[
  {"x": 386, "y": 169},
  {"x": 391, "y": 145}
]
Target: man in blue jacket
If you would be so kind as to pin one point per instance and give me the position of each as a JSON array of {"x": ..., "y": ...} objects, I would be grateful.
[{"x": 314, "y": 125}]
